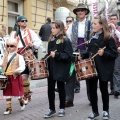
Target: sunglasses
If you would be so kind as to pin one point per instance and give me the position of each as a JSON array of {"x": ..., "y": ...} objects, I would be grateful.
[
  {"x": 11, "y": 46},
  {"x": 24, "y": 21},
  {"x": 80, "y": 10},
  {"x": 67, "y": 21}
]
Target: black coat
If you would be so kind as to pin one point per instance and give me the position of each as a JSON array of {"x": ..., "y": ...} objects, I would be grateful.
[
  {"x": 105, "y": 63},
  {"x": 45, "y": 32},
  {"x": 59, "y": 66}
]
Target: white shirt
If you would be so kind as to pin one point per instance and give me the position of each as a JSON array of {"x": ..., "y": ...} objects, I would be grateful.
[
  {"x": 117, "y": 34},
  {"x": 37, "y": 42},
  {"x": 81, "y": 30},
  {"x": 21, "y": 67}
]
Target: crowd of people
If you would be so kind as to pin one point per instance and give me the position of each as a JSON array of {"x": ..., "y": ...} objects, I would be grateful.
[{"x": 98, "y": 39}]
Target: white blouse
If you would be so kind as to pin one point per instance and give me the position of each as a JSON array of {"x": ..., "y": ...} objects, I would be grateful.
[
  {"x": 21, "y": 67},
  {"x": 37, "y": 42}
]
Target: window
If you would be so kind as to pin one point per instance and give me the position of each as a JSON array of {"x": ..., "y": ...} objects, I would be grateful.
[
  {"x": 12, "y": 6},
  {"x": 14, "y": 10}
]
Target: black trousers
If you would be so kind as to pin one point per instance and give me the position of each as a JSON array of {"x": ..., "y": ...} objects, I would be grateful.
[
  {"x": 69, "y": 87},
  {"x": 77, "y": 84},
  {"x": 93, "y": 94},
  {"x": 51, "y": 93},
  {"x": 88, "y": 90}
]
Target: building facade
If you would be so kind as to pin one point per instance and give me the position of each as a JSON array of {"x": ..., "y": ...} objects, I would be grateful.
[{"x": 35, "y": 10}]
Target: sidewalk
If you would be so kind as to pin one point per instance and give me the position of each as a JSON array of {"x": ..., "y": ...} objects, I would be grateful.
[{"x": 36, "y": 109}]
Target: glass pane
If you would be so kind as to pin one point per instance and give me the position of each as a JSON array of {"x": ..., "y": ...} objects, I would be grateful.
[
  {"x": 12, "y": 6},
  {"x": 12, "y": 20}
]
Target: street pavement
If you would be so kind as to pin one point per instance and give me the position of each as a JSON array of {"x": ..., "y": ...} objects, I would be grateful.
[{"x": 36, "y": 109}]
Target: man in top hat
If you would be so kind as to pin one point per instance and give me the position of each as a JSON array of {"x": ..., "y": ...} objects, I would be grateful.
[
  {"x": 78, "y": 33},
  {"x": 26, "y": 37}
]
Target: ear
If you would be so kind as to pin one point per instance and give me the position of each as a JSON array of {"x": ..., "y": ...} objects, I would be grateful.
[
  {"x": 101, "y": 26},
  {"x": 18, "y": 23},
  {"x": 85, "y": 12}
]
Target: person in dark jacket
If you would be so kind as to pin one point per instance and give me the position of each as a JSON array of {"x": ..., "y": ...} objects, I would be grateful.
[
  {"x": 45, "y": 30},
  {"x": 60, "y": 50},
  {"x": 104, "y": 60}
]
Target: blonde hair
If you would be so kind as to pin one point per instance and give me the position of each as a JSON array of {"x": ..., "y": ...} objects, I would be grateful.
[
  {"x": 11, "y": 41},
  {"x": 103, "y": 21}
]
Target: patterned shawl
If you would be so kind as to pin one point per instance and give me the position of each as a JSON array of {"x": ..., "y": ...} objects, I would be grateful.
[{"x": 75, "y": 32}]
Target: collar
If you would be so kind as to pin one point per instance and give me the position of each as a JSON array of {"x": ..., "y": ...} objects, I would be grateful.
[
  {"x": 83, "y": 22},
  {"x": 98, "y": 33},
  {"x": 11, "y": 53},
  {"x": 95, "y": 36},
  {"x": 55, "y": 38}
]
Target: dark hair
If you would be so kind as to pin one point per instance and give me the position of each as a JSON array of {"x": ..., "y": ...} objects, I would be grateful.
[
  {"x": 112, "y": 15},
  {"x": 49, "y": 20},
  {"x": 59, "y": 25},
  {"x": 70, "y": 17}
]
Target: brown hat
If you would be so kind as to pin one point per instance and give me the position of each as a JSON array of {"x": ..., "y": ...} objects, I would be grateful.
[{"x": 81, "y": 6}]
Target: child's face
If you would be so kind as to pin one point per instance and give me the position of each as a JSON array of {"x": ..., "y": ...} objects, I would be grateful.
[
  {"x": 55, "y": 31},
  {"x": 11, "y": 48}
]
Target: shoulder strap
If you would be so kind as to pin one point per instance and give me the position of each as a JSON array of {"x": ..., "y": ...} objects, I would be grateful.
[
  {"x": 88, "y": 30},
  {"x": 21, "y": 39},
  {"x": 10, "y": 61}
]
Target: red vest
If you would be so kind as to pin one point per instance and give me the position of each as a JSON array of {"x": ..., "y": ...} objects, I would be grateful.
[{"x": 116, "y": 38}]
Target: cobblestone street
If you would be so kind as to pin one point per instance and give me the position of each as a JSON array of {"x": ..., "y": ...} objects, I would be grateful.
[{"x": 36, "y": 109}]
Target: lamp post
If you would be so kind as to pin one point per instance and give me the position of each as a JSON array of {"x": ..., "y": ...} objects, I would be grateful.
[{"x": 118, "y": 7}]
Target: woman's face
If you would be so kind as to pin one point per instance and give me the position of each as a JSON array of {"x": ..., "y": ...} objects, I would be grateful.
[
  {"x": 97, "y": 27},
  {"x": 55, "y": 31}
]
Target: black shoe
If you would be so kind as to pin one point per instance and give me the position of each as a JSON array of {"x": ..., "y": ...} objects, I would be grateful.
[
  {"x": 105, "y": 115},
  {"x": 69, "y": 103},
  {"x": 111, "y": 93},
  {"x": 76, "y": 91},
  {"x": 49, "y": 114},
  {"x": 93, "y": 116},
  {"x": 116, "y": 94}
]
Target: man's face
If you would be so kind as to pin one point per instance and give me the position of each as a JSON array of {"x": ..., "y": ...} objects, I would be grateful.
[
  {"x": 114, "y": 20},
  {"x": 69, "y": 21},
  {"x": 23, "y": 23},
  {"x": 81, "y": 13}
]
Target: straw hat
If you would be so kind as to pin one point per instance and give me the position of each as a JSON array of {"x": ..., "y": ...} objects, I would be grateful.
[{"x": 81, "y": 6}]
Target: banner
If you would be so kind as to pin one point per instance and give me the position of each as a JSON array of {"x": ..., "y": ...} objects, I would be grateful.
[
  {"x": 106, "y": 9},
  {"x": 94, "y": 8}
]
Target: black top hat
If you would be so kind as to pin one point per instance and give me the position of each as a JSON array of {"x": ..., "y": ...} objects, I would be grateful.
[{"x": 81, "y": 6}]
